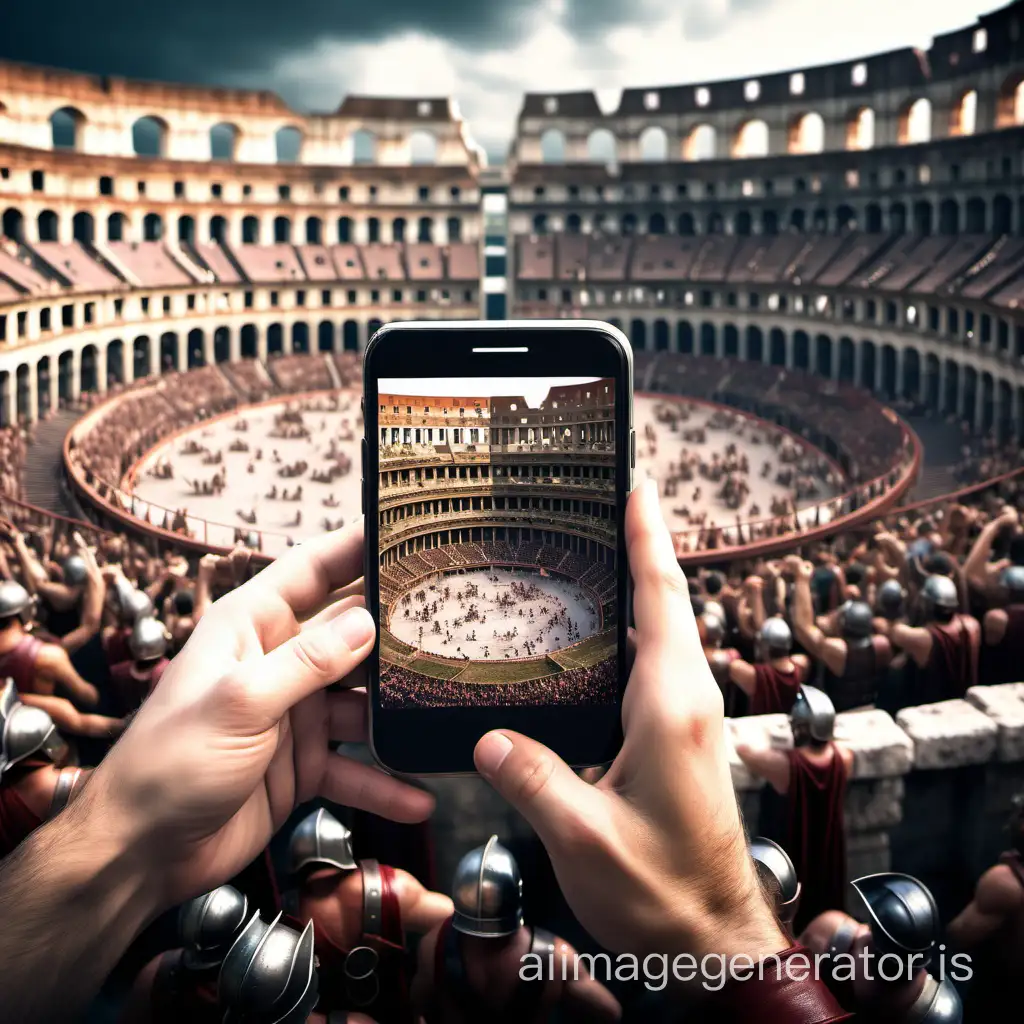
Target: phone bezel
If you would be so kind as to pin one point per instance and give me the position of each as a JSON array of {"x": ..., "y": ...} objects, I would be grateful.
[{"x": 440, "y": 741}]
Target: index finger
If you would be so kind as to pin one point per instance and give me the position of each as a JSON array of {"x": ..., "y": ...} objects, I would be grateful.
[{"x": 308, "y": 574}]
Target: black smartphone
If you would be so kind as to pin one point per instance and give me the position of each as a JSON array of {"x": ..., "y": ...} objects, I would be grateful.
[{"x": 496, "y": 465}]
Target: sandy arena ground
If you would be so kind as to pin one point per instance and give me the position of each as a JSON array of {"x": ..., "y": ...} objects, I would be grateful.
[
  {"x": 554, "y": 615},
  {"x": 247, "y": 491}
]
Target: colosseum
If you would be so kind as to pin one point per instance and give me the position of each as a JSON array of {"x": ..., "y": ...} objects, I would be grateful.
[{"x": 821, "y": 273}]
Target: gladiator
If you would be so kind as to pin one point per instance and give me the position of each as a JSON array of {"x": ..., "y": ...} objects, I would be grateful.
[
  {"x": 903, "y": 927},
  {"x": 42, "y": 672},
  {"x": 361, "y": 911},
  {"x": 778, "y": 879},
  {"x": 1002, "y": 652},
  {"x": 945, "y": 650},
  {"x": 128, "y": 605},
  {"x": 475, "y": 965},
  {"x": 133, "y": 681},
  {"x": 991, "y": 930},
  {"x": 773, "y": 682},
  {"x": 812, "y": 779},
  {"x": 855, "y": 662},
  {"x": 36, "y": 779}
]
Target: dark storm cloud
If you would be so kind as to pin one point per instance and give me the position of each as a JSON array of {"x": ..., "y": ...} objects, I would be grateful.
[
  {"x": 207, "y": 41},
  {"x": 588, "y": 19}
]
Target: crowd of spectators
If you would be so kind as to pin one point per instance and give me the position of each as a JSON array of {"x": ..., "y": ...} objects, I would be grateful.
[{"x": 13, "y": 443}]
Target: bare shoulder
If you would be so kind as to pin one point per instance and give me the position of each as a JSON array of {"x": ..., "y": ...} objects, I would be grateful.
[{"x": 998, "y": 891}]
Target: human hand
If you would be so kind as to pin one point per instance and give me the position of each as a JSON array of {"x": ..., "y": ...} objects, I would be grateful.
[
  {"x": 236, "y": 733},
  {"x": 653, "y": 858}
]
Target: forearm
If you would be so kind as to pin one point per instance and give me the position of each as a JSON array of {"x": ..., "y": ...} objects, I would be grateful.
[
  {"x": 970, "y": 928},
  {"x": 72, "y": 900},
  {"x": 974, "y": 566},
  {"x": 803, "y": 616},
  {"x": 34, "y": 574}
]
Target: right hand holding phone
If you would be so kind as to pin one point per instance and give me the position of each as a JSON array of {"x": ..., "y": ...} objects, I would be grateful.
[{"x": 653, "y": 858}]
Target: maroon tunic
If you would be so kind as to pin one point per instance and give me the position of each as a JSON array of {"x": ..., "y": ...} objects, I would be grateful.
[
  {"x": 19, "y": 663},
  {"x": 116, "y": 648},
  {"x": 775, "y": 691},
  {"x": 1004, "y": 662},
  {"x": 814, "y": 833},
  {"x": 129, "y": 690},
  {"x": 17, "y": 820},
  {"x": 392, "y": 1001},
  {"x": 952, "y": 667}
]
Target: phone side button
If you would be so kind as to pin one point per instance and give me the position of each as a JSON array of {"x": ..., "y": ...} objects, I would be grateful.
[
  {"x": 632, "y": 449},
  {"x": 362, "y": 482}
]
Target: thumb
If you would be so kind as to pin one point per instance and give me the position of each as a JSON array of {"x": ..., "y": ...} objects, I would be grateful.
[{"x": 536, "y": 782}]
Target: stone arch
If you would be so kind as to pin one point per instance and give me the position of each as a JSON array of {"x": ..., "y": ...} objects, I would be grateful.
[
  {"x": 423, "y": 147},
  {"x": 83, "y": 227},
  {"x": 708, "y": 339},
  {"x": 149, "y": 136},
  {"x": 47, "y": 225},
  {"x": 801, "y": 350},
  {"x": 911, "y": 373},
  {"x": 975, "y": 218},
  {"x": 602, "y": 146},
  {"x": 65, "y": 376},
  {"x": 685, "y": 225},
  {"x": 820, "y": 220},
  {"x": 751, "y": 139},
  {"x": 573, "y": 224},
  {"x": 425, "y": 229},
  {"x": 224, "y": 138},
  {"x": 194, "y": 348},
  {"x": 744, "y": 223},
  {"x": 1002, "y": 215},
  {"x": 700, "y": 143},
  {"x": 552, "y": 146},
  {"x": 638, "y": 334},
  {"x": 888, "y": 371},
  {"x": 930, "y": 390},
  {"x": 373, "y": 327},
  {"x": 860, "y": 129},
  {"x": 221, "y": 345},
  {"x": 288, "y": 141},
  {"x": 275, "y": 340},
  {"x": 628, "y": 223},
  {"x": 115, "y": 362},
  {"x": 656, "y": 224},
  {"x": 949, "y": 217},
  {"x": 923, "y": 217},
  {"x": 823, "y": 355},
  {"x": 364, "y": 147},
  {"x": 540, "y": 223},
  {"x": 847, "y": 361},
  {"x": 115, "y": 227},
  {"x": 140, "y": 357},
  {"x": 325, "y": 336},
  {"x": 314, "y": 231},
  {"x": 949, "y": 399},
  {"x": 963, "y": 118},
  {"x": 1010, "y": 101},
  {"x": 350, "y": 336},
  {"x": 152, "y": 227},
  {"x": 915, "y": 123},
  {"x": 730, "y": 342},
  {"x": 873, "y": 219},
  {"x": 846, "y": 217},
  {"x": 777, "y": 347},
  {"x": 453, "y": 225},
  {"x": 300, "y": 337},
  {"x": 807, "y": 133},
  {"x": 251, "y": 230},
  {"x": 653, "y": 143},
  {"x": 797, "y": 219},
  {"x": 769, "y": 222},
  {"x": 282, "y": 230},
  {"x": 684, "y": 337},
  {"x": 755, "y": 344},
  {"x": 970, "y": 392},
  {"x": 88, "y": 378},
  {"x": 661, "y": 336},
  {"x": 169, "y": 352},
  {"x": 868, "y": 364},
  {"x": 186, "y": 228},
  {"x": 66, "y": 127},
  {"x": 344, "y": 230},
  {"x": 715, "y": 223},
  {"x": 12, "y": 224},
  {"x": 898, "y": 218},
  {"x": 218, "y": 229},
  {"x": 248, "y": 341}
]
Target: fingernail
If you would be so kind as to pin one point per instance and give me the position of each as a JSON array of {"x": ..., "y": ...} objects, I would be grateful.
[
  {"x": 491, "y": 752},
  {"x": 356, "y": 628}
]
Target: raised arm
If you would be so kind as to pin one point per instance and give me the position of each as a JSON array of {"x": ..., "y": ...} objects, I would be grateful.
[
  {"x": 976, "y": 568},
  {"x": 92, "y": 601},
  {"x": 70, "y": 720},
  {"x": 768, "y": 764},
  {"x": 55, "y": 664},
  {"x": 827, "y": 649},
  {"x": 997, "y": 896}
]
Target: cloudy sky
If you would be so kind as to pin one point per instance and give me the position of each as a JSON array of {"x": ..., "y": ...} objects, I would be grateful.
[{"x": 486, "y": 53}]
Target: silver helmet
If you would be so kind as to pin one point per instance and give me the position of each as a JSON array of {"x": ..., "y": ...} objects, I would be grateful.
[
  {"x": 320, "y": 839},
  {"x": 713, "y": 607},
  {"x": 26, "y": 731},
  {"x": 132, "y": 604},
  {"x": 904, "y": 917},
  {"x": 890, "y": 599},
  {"x": 813, "y": 713},
  {"x": 148, "y": 640},
  {"x": 714, "y": 630},
  {"x": 776, "y": 638},
  {"x": 1012, "y": 579},
  {"x": 488, "y": 892},
  {"x": 209, "y": 924},
  {"x": 268, "y": 976},
  {"x": 15, "y": 600},
  {"x": 939, "y": 598},
  {"x": 75, "y": 571},
  {"x": 778, "y": 877},
  {"x": 856, "y": 620}
]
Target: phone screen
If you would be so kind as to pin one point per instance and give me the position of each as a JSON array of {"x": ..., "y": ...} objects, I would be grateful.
[
  {"x": 497, "y": 541},
  {"x": 495, "y": 546}
]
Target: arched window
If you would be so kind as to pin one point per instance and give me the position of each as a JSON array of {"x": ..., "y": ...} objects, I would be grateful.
[
  {"x": 751, "y": 139},
  {"x": 149, "y": 137},
  {"x": 964, "y": 116},
  {"x": 860, "y": 130},
  {"x": 807, "y": 133},
  {"x": 602, "y": 146},
  {"x": 422, "y": 147},
  {"x": 250, "y": 230},
  {"x": 47, "y": 225},
  {"x": 186, "y": 229},
  {"x": 344, "y": 230},
  {"x": 13, "y": 225},
  {"x": 700, "y": 143},
  {"x": 1010, "y": 101},
  {"x": 552, "y": 146},
  {"x": 425, "y": 232},
  {"x": 288, "y": 144},
  {"x": 364, "y": 147},
  {"x": 454, "y": 229},
  {"x": 224, "y": 142},
  {"x": 153, "y": 227},
  {"x": 398, "y": 229},
  {"x": 654, "y": 143},
  {"x": 314, "y": 231},
  {"x": 83, "y": 228},
  {"x": 218, "y": 229},
  {"x": 66, "y": 128},
  {"x": 115, "y": 227},
  {"x": 282, "y": 230},
  {"x": 916, "y": 122}
]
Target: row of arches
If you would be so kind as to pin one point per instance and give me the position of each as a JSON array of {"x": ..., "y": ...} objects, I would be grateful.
[
  {"x": 974, "y": 216},
  {"x": 805, "y": 133},
  {"x": 312, "y": 230},
  {"x": 150, "y": 139}
]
